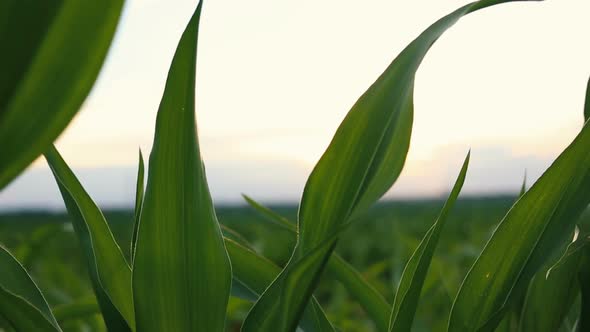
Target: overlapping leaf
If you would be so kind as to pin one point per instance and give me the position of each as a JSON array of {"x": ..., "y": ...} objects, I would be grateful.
[
  {"x": 537, "y": 224},
  {"x": 360, "y": 290},
  {"x": 363, "y": 160},
  {"x": 21, "y": 301},
  {"x": 551, "y": 295},
  {"x": 108, "y": 269},
  {"x": 412, "y": 280},
  {"x": 181, "y": 273},
  {"x": 52, "y": 51}
]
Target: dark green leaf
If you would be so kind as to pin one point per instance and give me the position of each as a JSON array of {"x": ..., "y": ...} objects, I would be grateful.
[
  {"x": 410, "y": 287},
  {"x": 587, "y": 103},
  {"x": 108, "y": 269},
  {"x": 584, "y": 280},
  {"x": 21, "y": 301},
  {"x": 533, "y": 229},
  {"x": 361, "y": 163},
  {"x": 52, "y": 51},
  {"x": 182, "y": 274},
  {"x": 76, "y": 310}
]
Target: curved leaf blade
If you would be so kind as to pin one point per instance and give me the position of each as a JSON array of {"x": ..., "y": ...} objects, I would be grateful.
[
  {"x": 108, "y": 269},
  {"x": 546, "y": 214},
  {"x": 49, "y": 75},
  {"x": 21, "y": 301},
  {"x": 362, "y": 161},
  {"x": 182, "y": 273},
  {"x": 412, "y": 280}
]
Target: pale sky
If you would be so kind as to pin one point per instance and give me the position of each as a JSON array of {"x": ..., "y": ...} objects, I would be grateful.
[{"x": 275, "y": 78}]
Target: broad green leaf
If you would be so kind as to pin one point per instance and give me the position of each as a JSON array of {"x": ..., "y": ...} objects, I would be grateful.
[
  {"x": 52, "y": 53},
  {"x": 360, "y": 290},
  {"x": 412, "y": 280},
  {"x": 538, "y": 224},
  {"x": 21, "y": 301},
  {"x": 551, "y": 294},
  {"x": 138, "y": 201},
  {"x": 108, "y": 269},
  {"x": 361, "y": 163},
  {"x": 255, "y": 273},
  {"x": 182, "y": 273}
]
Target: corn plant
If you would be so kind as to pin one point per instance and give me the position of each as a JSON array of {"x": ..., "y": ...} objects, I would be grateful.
[{"x": 183, "y": 266}]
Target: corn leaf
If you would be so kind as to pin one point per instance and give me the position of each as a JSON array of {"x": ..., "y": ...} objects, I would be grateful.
[
  {"x": 21, "y": 301},
  {"x": 52, "y": 53},
  {"x": 538, "y": 224},
  {"x": 138, "y": 202},
  {"x": 255, "y": 273},
  {"x": 584, "y": 280},
  {"x": 560, "y": 285},
  {"x": 360, "y": 290},
  {"x": 182, "y": 274},
  {"x": 361, "y": 163},
  {"x": 412, "y": 280},
  {"x": 108, "y": 269}
]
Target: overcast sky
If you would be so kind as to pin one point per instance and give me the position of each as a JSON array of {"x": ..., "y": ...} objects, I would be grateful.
[{"x": 275, "y": 78}]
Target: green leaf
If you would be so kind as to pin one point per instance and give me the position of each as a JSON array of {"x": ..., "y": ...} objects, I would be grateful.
[
  {"x": 138, "y": 202},
  {"x": 584, "y": 280},
  {"x": 21, "y": 301},
  {"x": 108, "y": 269},
  {"x": 52, "y": 53},
  {"x": 412, "y": 280},
  {"x": 361, "y": 163},
  {"x": 551, "y": 294},
  {"x": 255, "y": 273},
  {"x": 533, "y": 229},
  {"x": 182, "y": 274},
  {"x": 360, "y": 290}
]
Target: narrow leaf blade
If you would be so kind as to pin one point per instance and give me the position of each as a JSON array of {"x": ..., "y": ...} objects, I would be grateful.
[
  {"x": 138, "y": 203},
  {"x": 108, "y": 269},
  {"x": 412, "y": 280}
]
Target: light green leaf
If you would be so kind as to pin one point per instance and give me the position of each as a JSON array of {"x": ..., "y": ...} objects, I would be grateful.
[
  {"x": 52, "y": 53},
  {"x": 551, "y": 294},
  {"x": 533, "y": 229},
  {"x": 21, "y": 301},
  {"x": 108, "y": 269},
  {"x": 182, "y": 273},
  {"x": 361, "y": 163},
  {"x": 412, "y": 280},
  {"x": 360, "y": 290},
  {"x": 255, "y": 273},
  {"x": 138, "y": 202}
]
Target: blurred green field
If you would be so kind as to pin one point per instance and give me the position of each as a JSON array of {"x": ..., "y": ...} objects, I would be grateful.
[{"x": 378, "y": 246}]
